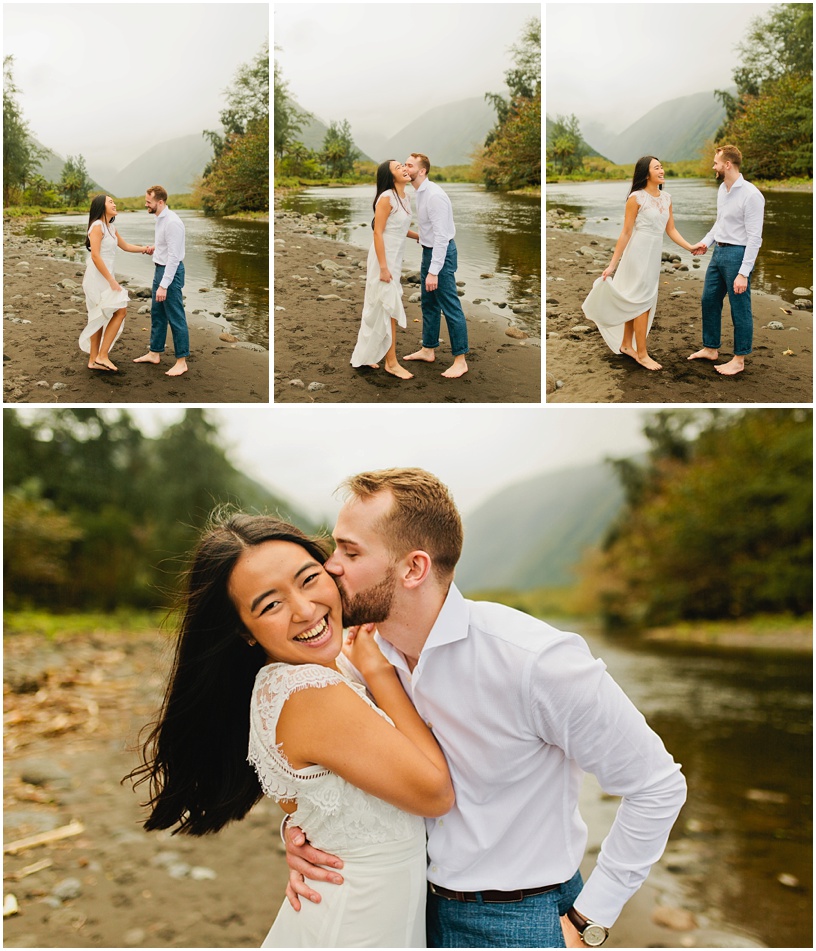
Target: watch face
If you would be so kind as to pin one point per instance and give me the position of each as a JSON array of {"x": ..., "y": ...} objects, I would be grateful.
[{"x": 594, "y": 935}]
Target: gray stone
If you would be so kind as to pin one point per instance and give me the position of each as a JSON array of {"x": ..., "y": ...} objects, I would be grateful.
[
  {"x": 298, "y": 383},
  {"x": 134, "y": 937},
  {"x": 516, "y": 334},
  {"x": 228, "y": 338},
  {"x": 313, "y": 387},
  {"x": 328, "y": 297},
  {"x": 41, "y": 772},
  {"x": 776, "y": 325},
  {"x": 200, "y": 873},
  {"x": 67, "y": 889},
  {"x": 60, "y": 386},
  {"x": 68, "y": 284},
  {"x": 803, "y": 303},
  {"x": 415, "y": 298},
  {"x": 801, "y": 292}
]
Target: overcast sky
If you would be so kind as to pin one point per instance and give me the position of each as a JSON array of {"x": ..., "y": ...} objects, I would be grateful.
[
  {"x": 382, "y": 65},
  {"x": 110, "y": 80},
  {"x": 304, "y": 452},
  {"x": 613, "y": 62}
]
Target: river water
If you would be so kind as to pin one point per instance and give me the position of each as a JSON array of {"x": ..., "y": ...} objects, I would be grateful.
[
  {"x": 230, "y": 258},
  {"x": 785, "y": 259},
  {"x": 741, "y": 726},
  {"x": 496, "y": 234}
]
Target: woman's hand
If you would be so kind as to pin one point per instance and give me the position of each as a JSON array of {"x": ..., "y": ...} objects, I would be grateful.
[
  {"x": 114, "y": 284},
  {"x": 362, "y": 650},
  {"x": 608, "y": 272},
  {"x": 385, "y": 275}
]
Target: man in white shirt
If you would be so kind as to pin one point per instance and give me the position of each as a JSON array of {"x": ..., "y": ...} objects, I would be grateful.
[
  {"x": 438, "y": 269},
  {"x": 168, "y": 280},
  {"x": 520, "y": 710},
  {"x": 737, "y": 234}
]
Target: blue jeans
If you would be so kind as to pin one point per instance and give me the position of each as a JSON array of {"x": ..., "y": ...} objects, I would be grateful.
[
  {"x": 531, "y": 923},
  {"x": 170, "y": 310},
  {"x": 719, "y": 281},
  {"x": 443, "y": 299}
]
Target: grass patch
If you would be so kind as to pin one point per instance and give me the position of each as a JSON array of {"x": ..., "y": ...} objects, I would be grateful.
[
  {"x": 540, "y": 602},
  {"x": 49, "y": 625}
]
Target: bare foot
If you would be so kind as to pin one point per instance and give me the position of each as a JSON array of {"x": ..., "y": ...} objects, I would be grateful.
[
  {"x": 107, "y": 364},
  {"x": 374, "y": 366},
  {"x": 649, "y": 363},
  {"x": 458, "y": 368},
  {"x": 630, "y": 352},
  {"x": 426, "y": 354},
  {"x": 734, "y": 366},
  {"x": 179, "y": 368},
  {"x": 149, "y": 358},
  {"x": 707, "y": 353},
  {"x": 396, "y": 370}
]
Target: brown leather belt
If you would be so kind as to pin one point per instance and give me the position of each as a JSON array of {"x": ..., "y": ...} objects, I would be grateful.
[{"x": 490, "y": 896}]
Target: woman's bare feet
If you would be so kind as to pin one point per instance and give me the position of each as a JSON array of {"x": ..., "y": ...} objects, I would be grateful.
[
  {"x": 648, "y": 362},
  {"x": 106, "y": 364},
  {"x": 396, "y": 370},
  {"x": 629, "y": 351}
]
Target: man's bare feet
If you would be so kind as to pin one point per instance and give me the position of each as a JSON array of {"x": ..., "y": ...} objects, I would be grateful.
[
  {"x": 426, "y": 354},
  {"x": 149, "y": 357},
  {"x": 458, "y": 368},
  {"x": 107, "y": 364},
  {"x": 707, "y": 353},
  {"x": 734, "y": 366},
  {"x": 178, "y": 368},
  {"x": 396, "y": 370},
  {"x": 630, "y": 352},
  {"x": 648, "y": 362}
]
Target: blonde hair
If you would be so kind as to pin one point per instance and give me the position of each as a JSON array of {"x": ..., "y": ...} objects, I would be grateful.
[
  {"x": 423, "y": 161},
  {"x": 730, "y": 153},
  {"x": 158, "y": 193},
  {"x": 423, "y": 515}
]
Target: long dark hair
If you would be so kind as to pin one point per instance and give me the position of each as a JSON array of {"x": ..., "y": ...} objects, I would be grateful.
[
  {"x": 195, "y": 758},
  {"x": 97, "y": 211},
  {"x": 385, "y": 182},
  {"x": 641, "y": 175}
]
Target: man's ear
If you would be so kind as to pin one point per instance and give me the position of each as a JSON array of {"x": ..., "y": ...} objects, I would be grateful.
[{"x": 416, "y": 568}]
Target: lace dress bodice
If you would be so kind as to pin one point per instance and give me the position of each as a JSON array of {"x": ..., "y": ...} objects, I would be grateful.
[
  {"x": 654, "y": 212},
  {"x": 399, "y": 220},
  {"x": 335, "y": 815},
  {"x": 109, "y": 243}
]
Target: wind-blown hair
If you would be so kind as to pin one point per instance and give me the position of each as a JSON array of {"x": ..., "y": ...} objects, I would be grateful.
[
  {"x": 385, "y": 182},
  {"x": 641, "y": 175},
  {"x": 195, "y": 758},
  {"x": 97, "y": 211}
]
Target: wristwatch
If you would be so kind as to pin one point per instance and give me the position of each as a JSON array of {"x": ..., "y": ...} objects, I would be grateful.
[{"x": 592, "y": 934}]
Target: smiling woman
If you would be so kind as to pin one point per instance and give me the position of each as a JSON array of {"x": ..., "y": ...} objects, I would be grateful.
[{"x": 261, "y": 700}]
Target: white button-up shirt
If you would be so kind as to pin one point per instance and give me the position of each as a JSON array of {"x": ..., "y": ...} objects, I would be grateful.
[
  {"x": 169, "y": 248},
  {"x": 740, "y": 213},
  {"x": 435, "y": 217},
  {"x": 520, "y": 710}
]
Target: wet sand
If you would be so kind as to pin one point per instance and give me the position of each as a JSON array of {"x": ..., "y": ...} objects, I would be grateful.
[
  {"x": 42, "y": 362},
  {"x": 582, "y": 369},
  {"x": 317, "y": 316}
]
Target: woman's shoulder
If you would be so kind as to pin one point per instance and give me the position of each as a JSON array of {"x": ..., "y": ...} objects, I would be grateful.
[
  {"x": 96, "y": 224},
  {"x": 387, "y": 195},
  {"x": 290, "y": 678}
]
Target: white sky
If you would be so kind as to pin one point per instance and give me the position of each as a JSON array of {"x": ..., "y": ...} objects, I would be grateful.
[
  {"x": 111, "y": 80},
  {"x": 613, "y": 62},
  {"x": 304, "y": 452},
  {"x": 383, "y": 65}
]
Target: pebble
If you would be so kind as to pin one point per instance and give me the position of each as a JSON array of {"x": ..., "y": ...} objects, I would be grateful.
[
  {"x": 67, "y": 889},
  {"x": 516, "y": 333},
  {"x": 801, "y": 292},
  {"x": 134, "y": 937},
  {"x": 678, "y": 919},
  {"x": 60, "y": 386},
  {"x": 298, "y": 383},
  {"x": 10, "y": 906},
  {"x": 776, "y": 325},
  {"x": 312, "y": 387},
  {"x": 789, "y": 881},
  {"x": 200, "y": 873},
  {"x": 178, "y": 870},
  {"x": 228, "y": 338}
]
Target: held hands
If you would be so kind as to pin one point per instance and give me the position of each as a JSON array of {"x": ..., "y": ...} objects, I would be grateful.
[
  {"x": 740, "y": 284},
  {"x": 305, "y": 861},
  {"x": 698, "y": 249},
  {"x": 148, "y": 249}
]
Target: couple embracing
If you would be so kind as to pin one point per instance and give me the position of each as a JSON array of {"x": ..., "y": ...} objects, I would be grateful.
[
  {"x": 466, "y": 722},
  {"x": 382, "y": 306}
]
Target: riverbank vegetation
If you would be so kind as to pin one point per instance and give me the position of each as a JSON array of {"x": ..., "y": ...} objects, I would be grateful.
[{"x": 134, "y": 203}]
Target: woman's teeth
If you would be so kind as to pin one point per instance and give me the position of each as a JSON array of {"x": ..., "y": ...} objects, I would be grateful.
[{"x": 314, "y": 632}]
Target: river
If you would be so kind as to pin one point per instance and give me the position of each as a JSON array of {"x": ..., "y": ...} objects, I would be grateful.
[
  {"x": 229, "y": 257},
  {"x": 785, "y": 259},
  {"x": 496, "y": 234},
  {"x": 741, "y": 726}
]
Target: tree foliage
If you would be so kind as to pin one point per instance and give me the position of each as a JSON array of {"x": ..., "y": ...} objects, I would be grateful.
[
  {"x": 339, "y": 154},
  {"x": 718, "y": 523},
  {"x": 565, "y": 147},
  {"x": 21, "y": 158},
  {"x": 288, "y": 118},
  {"x": 75, "y": 183},
  {"x": 512, "y": 152}
]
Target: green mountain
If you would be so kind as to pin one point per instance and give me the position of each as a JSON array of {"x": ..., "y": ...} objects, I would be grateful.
[
  {"x": 174, "y": 164},
  {"x": 534, "y": 533},
  {"x": 52, "y": 164},
  {"x": 313, "y": 132},
  {"x": 446, "y": 134}
]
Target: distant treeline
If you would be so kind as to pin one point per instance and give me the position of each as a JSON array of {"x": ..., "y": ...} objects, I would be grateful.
[{"x": 96, "y": 515}]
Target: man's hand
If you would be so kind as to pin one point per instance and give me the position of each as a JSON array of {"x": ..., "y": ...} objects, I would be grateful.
[
  {"x": 571, "y": 937},
  {"x": 161, "y": 293},
  {"x": 431, "y": 282},
  {"x": 305, "y": 862},
  {"x": 740, "y": 284},
  {"x": 149, "y": 249},
  {"x": 699, "y": 249}
]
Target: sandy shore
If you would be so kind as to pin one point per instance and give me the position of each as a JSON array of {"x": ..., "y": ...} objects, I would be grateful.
[
  {"x": 314, "y": 337},
  {"x": 43, "y": 364},
  {"x": 588, "y": 372},
  {"x": 74, "y": 706}
]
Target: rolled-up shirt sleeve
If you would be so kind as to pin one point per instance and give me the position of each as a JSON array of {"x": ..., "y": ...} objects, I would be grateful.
[
  {"x": 174, "y": 236},
  {"x": 581, "y": 709},
  {"x": 754, "y": 214}
]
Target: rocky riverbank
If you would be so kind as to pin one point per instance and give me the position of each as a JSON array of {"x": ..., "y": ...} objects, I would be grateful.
[
  {"x": 582, "y": 369},
  {"x": 319, "y": 289},
  {"x": 44, "y": 313},
  {"x": 81, "y": 873}
]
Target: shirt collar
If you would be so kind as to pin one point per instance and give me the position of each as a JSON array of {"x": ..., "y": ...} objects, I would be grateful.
[
  {"x": 162, "y": 213},
  {"x": 424, "y": 183}
]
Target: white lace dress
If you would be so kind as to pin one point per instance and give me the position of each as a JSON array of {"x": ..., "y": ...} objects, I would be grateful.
[
  {"x": 632, "y": 290},
  {"x": 381, "y": 903},
  {"x": 383, "y": 300},
  {"x": 101, "y": 301}
]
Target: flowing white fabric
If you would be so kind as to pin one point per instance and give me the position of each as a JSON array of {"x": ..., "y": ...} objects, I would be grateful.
[
  {"x": 383, "y": 300},
  {"x": 632, "y": 290},
  {"x": 102, "y": 302},
  {"x": 382, "y": 900}
]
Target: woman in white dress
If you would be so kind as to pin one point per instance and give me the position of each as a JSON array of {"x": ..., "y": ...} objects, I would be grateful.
[
  {"x": 105, "y": 298},
  {"x": 623, "y": 307},
  {"x": 382, "y": 306},
  {"x": 261, "y": 700}
]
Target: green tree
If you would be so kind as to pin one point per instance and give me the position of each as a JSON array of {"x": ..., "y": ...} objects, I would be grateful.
[
  {"x": 288, "y": 118},
  {"x": 74, "y": 183},
  {"x": 338, "y": 154},
  {"x": 565, "y": 147},
  {"x": 20, "y": 156}
]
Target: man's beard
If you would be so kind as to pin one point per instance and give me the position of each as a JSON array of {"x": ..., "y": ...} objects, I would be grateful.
[
  {"x": 370, "y": 606},
  {"x": 720, "y": 176}
]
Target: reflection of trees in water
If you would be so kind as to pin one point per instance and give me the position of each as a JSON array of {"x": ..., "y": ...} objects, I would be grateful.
[
  {"x": 518, "y": 254},
  {"x": 240, "y": 266}
]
